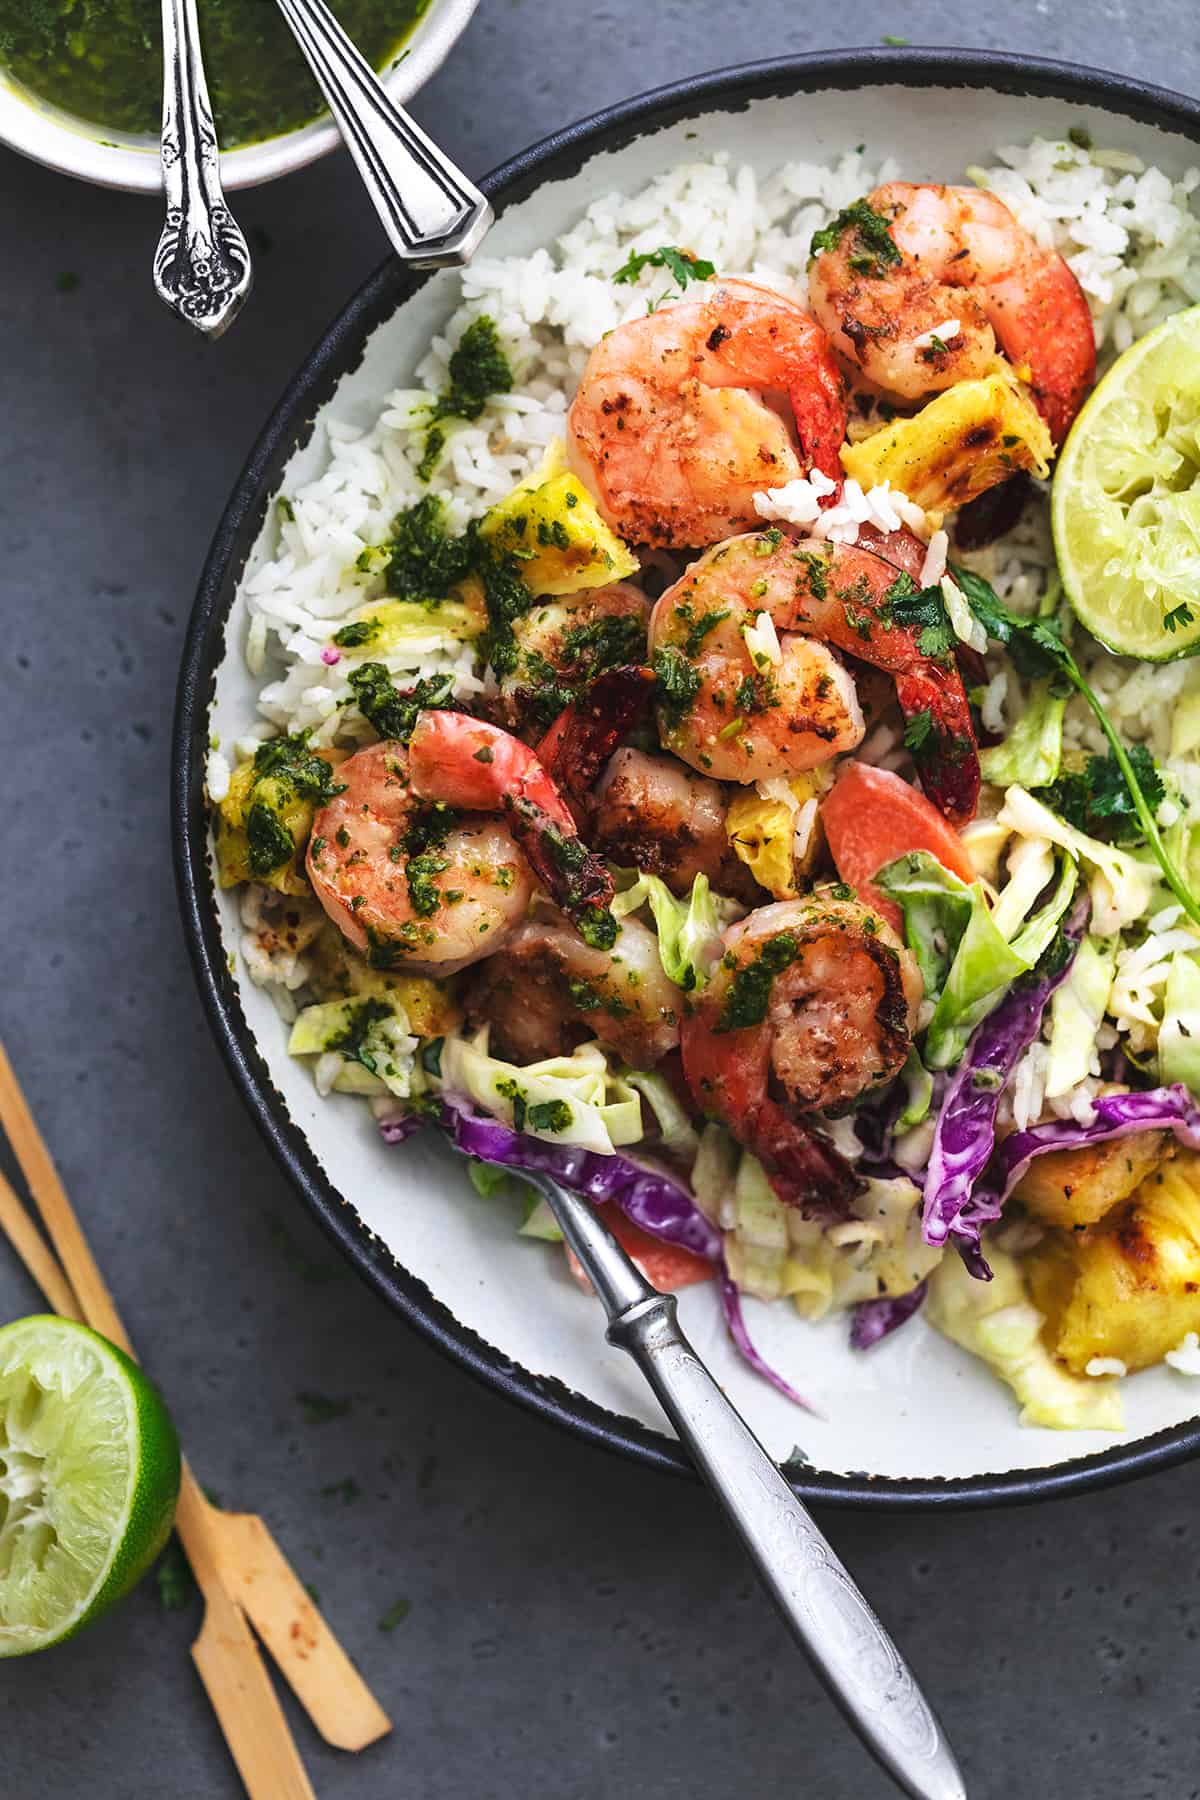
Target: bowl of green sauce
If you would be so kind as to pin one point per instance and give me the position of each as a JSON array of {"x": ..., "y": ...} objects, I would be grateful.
[{"x": 81, "y": 81}]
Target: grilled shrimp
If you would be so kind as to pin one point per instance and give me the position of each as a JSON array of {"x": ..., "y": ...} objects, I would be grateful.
[
  {"x": 923, "y": 282},
  {"x": 549, "y": 991},
  {"x": 816, "y": 999},
  {"x": 672, "y": 427},
  {"x": 563, "y": 644},
  {"x": 651, "y": 813},
  {"x": 745, "y": 715},
  {"x": 426, "y": 857}
]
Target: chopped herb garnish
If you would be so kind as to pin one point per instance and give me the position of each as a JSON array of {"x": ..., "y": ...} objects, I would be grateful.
[
  {"x": 918, "y": 731},
  {"x": 289, "y": 759},
  {"x": 1095, "y": 798},
  {"x": 269, "y": 843},
  {"x": 680, "y": 264},
  {"x": 1179, "y": 616},
  {"x": 357, "y": 633},
  {"x": 749, "y": 992},
  {"x": 874, "y": 249},
  {"x": 509, "y": 1090},
  {"x": 395, "y": 1615},
  {"x": 392, "y": 711},
  {"x": 1037, "y": 647},
  {"x": 678, "y": 683},
  {"x": 550, "y": 1115},
  {"x": 922, "y": 611},
  {"x": 431, "y": 1056},
  {"x": 350, "y": 1042},
  {"x": 478, "y": 369}
]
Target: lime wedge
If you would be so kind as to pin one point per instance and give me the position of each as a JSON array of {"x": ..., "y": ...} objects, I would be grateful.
[
  {"x": 89, "y": 1476},
  {"x": 1126, "y": 499}
]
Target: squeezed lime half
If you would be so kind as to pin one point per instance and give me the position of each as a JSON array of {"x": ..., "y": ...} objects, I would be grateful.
[
  {"x": 89, "y": 1477},
  {"x": 1126, "y": 499}
]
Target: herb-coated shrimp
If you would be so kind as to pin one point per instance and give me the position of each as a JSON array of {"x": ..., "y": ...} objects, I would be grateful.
[
  {"x": 651, "y": 813},
  {"x": 670, "y": 428},
  {"x": 816, "y": 998},
  {"x": 549, "y": 991},
  {"x": 896, "y": 267},
  {"x": 742, "y": 716},
  {"x": 563, "y": 644},
  {"x": 412, "y": 863}
]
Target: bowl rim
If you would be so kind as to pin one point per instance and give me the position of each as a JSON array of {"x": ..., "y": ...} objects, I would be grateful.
[
  {"x": 563, "y": 153},
  {"x": 55, "y": 138}
]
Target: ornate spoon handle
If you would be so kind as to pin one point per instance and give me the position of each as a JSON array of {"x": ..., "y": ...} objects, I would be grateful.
[
  {"x": 820, "y": 1601},
  {"x": 432, "y": 214},
  {"x": 202, "y": 264}
]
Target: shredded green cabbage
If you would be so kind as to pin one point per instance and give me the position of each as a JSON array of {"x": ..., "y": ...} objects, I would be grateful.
[
  {"x": 962, "y": 946},
  {"x": 1120, "y": 885},
  {"x": 1076, "y": 1013},
  {"x": 1031, "y": 754},
  {"x": 1179, "y": 1034},
  {"x": 574, "y": 1099},
  {"x": 689, "y": 931}
]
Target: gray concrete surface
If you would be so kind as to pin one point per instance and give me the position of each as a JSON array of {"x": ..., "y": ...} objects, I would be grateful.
[{"x": 577, "y": 1629}]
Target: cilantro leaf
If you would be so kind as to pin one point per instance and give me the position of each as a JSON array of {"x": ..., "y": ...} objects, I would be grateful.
[
  {"x": 873, "y": 249},
  {"x": 680, "y": 264},
  {"x": 1038, "y": 647},
  {"x": 1097, "y": 800},
  {"x": 1179, "y": 616},
  {"x": 918, "y": 731},
  {"x": 923, "y": 610}
]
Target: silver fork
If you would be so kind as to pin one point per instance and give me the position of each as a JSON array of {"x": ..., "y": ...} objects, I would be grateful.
[
  {"x": 433, "y": 216},
  {"x": 820, "y": 1601},
  {"x": 202, "y": 264}
]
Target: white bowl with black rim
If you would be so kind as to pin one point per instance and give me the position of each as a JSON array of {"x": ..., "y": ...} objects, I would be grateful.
[
  {"x": 117, "y": 159},
  {"x": 915, "y": 1421}
]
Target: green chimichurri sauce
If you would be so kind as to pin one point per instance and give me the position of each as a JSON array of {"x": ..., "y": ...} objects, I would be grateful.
[{"x": 102, "y": 59}]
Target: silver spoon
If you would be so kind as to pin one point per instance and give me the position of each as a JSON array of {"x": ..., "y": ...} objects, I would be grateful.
[
  {"x": 820, "y": 1602},
  {"x": 202, "y": 264},
  {"x": 434, "y": 217}
]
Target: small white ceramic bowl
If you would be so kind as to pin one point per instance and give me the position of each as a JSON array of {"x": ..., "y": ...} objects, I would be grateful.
[{"x": 118, "y": 159}]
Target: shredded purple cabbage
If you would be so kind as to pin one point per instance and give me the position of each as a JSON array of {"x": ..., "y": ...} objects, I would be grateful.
[
  {"x": 876, "y": 1319},
  {"x": 394, "y": 1131},
  {"x": 964, "y": 1139},
  {"x": 1116, "y": 1115},
  {"x": 652, "y": 1199},
  {"x": 661, "y": 1206},
  {"x": 731, "y": 1306}
]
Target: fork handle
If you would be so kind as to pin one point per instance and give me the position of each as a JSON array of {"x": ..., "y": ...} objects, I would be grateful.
[
  {"x": 820, "y": 1601},
  {"x": 433, "y": 216}
]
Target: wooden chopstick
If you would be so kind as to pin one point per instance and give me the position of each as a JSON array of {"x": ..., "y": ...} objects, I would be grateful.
[{"x": 236, "y": 1561}]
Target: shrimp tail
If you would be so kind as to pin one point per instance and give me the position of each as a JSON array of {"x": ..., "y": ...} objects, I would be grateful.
[
  {"x": 947, "y": 757},
  {"x": 819, "y": 409},
  {"x": 574, "y": 876},
  {"x": 804, "y": 1168},
  {"x": 587, "y": 731}
]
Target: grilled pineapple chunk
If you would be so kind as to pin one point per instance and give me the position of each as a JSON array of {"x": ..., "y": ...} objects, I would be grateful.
[
  {"x": 1131, "y": 1289},
  {"x": 552, "y": 527},
  {"x": 261, "y": 822},
  {"x": 761, "y": 827},
  {"x": 966, "y": 440},
  {"x": 1070, "y": 1188}
]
